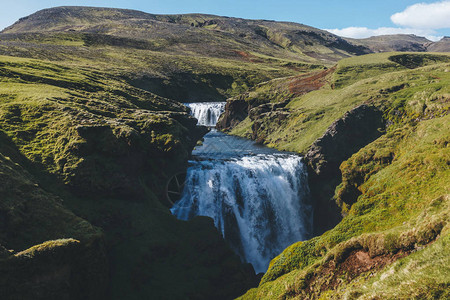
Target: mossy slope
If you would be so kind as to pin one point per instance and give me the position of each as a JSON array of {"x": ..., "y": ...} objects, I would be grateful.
[
  {"x": 80, "y": 147},
  {"x": 394, "y": 194}
]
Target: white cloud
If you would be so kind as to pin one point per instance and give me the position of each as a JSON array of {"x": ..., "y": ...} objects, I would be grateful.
[
  {"x": 422, "y": 19},
  {"x": 422, "y": 15},
  {"x": 364, "y": 32}
]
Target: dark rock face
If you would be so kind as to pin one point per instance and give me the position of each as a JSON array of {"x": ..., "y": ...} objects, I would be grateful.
[
  {"x": 239, "y": 108},
  {"x": 344, "y": 137},
  {"x": 236, "y": 110}
]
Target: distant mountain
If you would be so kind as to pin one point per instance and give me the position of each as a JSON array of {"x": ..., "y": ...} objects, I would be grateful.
[
  {"x": 442, "y": 46},
  {"x": 194, "y": 33},
  {"x": 401, "y": 42},
  {"x": 397, "y": 42}
]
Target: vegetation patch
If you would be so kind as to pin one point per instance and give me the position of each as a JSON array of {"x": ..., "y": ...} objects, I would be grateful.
[{"x": 393, "y": 195}]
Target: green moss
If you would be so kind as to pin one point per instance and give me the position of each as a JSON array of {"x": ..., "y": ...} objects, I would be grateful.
[
  {"x": 394, "y": 191},
  {"x": 48, "y": 246},
  {"x": 405, "y": 96},
  {"x": 90, "y": 148}
]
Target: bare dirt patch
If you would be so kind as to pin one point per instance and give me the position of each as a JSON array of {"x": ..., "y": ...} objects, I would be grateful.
[
  {"x": 304, "y": 84},
  {"x": 332, "y": 273}
]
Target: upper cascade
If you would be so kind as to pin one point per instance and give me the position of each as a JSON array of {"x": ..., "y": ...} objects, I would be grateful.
[{"x": 207, "y": 113}]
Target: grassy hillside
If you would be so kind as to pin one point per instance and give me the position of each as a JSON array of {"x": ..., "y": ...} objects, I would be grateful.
[
  {"x": 394, "y": 196},
  {"x": 183, "y": 57},
  {"x": 85, "y": 156},
  {"x": 373, "y": 79}
]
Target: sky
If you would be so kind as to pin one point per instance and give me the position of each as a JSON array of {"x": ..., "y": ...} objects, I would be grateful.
[{"x": 349, "y": 18}]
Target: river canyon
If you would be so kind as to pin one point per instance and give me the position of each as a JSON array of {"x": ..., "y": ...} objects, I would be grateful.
[{"x": 257, "y": 196}]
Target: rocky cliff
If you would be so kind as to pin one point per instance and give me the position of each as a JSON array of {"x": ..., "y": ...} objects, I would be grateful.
[{"x": 357, "y": 128}]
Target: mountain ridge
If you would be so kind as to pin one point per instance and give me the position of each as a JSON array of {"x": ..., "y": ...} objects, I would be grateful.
[
  {"x": 275, "y": 35},
  {"x": 384, "y": 43}
]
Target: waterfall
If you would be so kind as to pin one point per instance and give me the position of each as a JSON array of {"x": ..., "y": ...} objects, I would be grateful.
[
  {"x": 207, "y": 113},
  {"x": 258, "y": 203},
  {"x": 257, "y": 196}
]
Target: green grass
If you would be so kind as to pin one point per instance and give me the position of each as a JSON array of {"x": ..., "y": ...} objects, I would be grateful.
[
  {"x": 394, "y": 191},
  {"x": 86, "y": 155},
  {"x": 403, "y": 93},
  {"x": 422, "y": 275}
]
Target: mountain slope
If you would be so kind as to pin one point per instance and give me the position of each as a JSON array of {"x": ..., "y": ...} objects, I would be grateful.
[
  {"x": 441, "y": 46},
  {"x": 397, "y": 42},
  {"x": 375, "y": 135},
  {"x": 201, "y": 34}
]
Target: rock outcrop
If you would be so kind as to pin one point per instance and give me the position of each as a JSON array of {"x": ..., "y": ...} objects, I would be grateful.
[
  {"x": 269, "y": 97},
  {"x": 344, "y": 137},
  {"x": 59, "y": 269}
]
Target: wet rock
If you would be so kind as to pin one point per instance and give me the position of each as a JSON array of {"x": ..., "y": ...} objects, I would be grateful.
[{"x": 236, "y": 110}]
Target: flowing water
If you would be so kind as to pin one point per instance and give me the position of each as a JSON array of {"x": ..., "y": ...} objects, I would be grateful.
[
  {"x": 257, "y": 196},
  {"x": 207, "y": 113}
]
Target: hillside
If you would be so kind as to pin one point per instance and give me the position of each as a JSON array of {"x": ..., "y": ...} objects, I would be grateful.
[
  {"x": 401, "y": 42},
  {"x": 396, "y": 42},
  {"x": 183, "y": 57},
  {"x": 92, "y": 127},
  {"x": 442, "y": 46},
  {"x": 375, "y": 134}
]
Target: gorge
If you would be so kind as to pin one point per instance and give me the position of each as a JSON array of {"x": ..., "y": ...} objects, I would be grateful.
[
  {"x": 328, "y": 169},
  {"x": 258, "y": 197}
]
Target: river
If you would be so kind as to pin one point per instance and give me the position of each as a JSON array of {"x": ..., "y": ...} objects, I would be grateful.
[{"x": 257, "y": 196}]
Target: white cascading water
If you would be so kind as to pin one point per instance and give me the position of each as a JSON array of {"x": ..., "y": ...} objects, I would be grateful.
[
  {"x": 207, "y": 113},
  {"x": 258, "y": 197}
]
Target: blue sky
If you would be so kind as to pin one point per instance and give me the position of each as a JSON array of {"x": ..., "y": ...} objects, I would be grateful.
[{"x": 344, "y": 17}]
